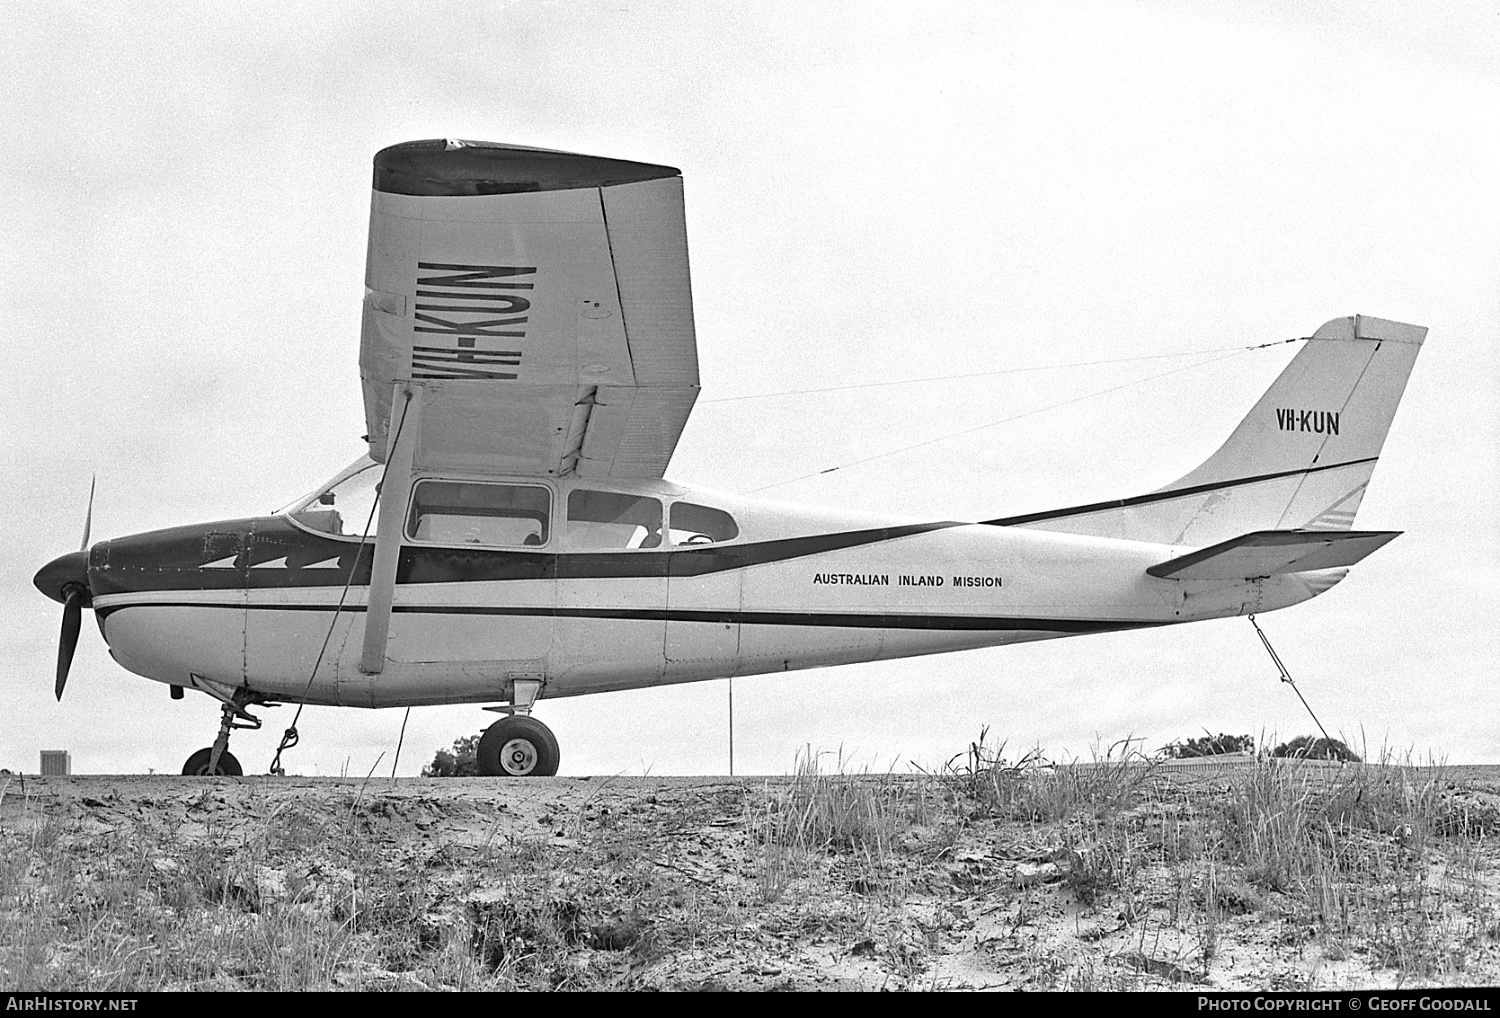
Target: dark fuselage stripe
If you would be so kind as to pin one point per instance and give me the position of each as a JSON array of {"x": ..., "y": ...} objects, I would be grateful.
[
  {"x": 144, "y": 562},
  {"x": 1162, "y": 496},
  {"x": 841, "y": 620},
  {"x": 174, "y": 560}
]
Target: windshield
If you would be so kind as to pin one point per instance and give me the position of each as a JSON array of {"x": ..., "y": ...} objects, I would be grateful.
[{"x": 343, "y": 505}]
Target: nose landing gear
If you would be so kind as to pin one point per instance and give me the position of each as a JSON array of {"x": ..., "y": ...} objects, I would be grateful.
[
  {"x": 216, "y": 759},
  {"x": 519, "y": 746}
]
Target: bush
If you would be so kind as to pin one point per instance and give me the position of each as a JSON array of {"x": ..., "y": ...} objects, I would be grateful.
[
  {"x": 1313, "y": 748},
  {"x": 1209, "y": 745},
  {"x": 462, "y": 762}
]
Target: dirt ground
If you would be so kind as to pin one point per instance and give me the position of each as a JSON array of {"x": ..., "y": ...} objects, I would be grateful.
[{"x": 703, "y": 883}]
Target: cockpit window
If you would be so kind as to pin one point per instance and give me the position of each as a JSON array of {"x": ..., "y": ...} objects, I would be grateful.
[
  {"x": 342, "y": 508},
  {"x": 607, "y": 519},
  {"x": 701, "y": 524},
  {"x": 466, "y": 512}
]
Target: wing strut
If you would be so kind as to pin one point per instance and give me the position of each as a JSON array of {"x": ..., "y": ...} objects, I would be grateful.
[{"x": 406, "y": 425}]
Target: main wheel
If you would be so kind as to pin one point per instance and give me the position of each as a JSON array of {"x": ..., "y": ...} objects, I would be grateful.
[
  {"x": 518, "y": 747},
  {"x": 197, "y": 764}
]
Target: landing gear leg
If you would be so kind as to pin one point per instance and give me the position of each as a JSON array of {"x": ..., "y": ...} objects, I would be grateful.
[
  {"x": 216, "y": 759},
  {"x": 519, "y": 746}
]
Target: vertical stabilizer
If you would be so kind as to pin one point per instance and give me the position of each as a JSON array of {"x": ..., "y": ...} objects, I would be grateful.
[{"x": 1300, "y": 460}]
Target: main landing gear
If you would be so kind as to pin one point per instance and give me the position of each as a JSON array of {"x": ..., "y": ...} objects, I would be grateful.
[
  {"x": 519, "y": 746},
  {"x": 216, "y": 759}
]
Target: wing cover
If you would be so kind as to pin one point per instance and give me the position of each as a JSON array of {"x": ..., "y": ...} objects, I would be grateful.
[
  {"x": 1272, "y": 552},
  {"x": 541, "y": 301}
]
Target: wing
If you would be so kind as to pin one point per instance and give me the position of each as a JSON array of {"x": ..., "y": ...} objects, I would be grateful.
[{"x": 540, "y": 300}]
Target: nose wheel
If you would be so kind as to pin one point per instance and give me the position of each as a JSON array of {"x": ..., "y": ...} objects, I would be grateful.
[
  {"x": 518, "y": 746},
  {"x": 198, "y": 765}
]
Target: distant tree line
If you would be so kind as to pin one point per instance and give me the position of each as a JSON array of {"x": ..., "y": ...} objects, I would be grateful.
[
  {"x": 1209, "y": 744},
  {"x": 1317, "y": 748},
  {"x": 460, "y": 762},
  {"x": 1309, "y": 747}
]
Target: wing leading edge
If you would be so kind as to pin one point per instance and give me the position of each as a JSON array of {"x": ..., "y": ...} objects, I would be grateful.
[{"x": 539, "y": 304}]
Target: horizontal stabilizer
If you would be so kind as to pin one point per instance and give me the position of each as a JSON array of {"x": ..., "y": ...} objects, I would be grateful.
[{"x": 1271, "y": 552}]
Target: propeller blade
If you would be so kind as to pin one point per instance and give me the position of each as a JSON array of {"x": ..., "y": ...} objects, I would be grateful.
[
  {"x": 88, "y": 521},
  {"x": 68, "y": 641}
]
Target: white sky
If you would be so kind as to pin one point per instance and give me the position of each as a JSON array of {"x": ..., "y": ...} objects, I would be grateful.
[{"x": 873, "y": 192}]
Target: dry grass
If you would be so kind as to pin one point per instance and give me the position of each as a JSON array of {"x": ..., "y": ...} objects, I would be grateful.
[
  {"x": 1384, "y": 860},
  {"x": 1037, "y": 790},
  {"x": 861, "y": 820}
]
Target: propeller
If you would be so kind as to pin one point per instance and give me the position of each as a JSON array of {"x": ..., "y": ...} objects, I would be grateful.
[
  {"x": 88, "y": 517},
  {"x": 68, "y": 641},
  {"x": 66, "y": 579}
]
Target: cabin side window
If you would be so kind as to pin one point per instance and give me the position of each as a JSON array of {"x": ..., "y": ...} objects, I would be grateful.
[
  {"x": 610, "y": 520},
  {"x": 494, "y": 515},
  {"x": 701, "y": 524}
]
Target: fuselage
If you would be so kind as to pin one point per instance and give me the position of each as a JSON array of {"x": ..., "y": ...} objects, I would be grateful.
[{"x": 665, "y": 584}]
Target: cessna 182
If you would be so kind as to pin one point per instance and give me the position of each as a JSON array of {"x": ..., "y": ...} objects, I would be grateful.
[{"x": 528, "y": 362}]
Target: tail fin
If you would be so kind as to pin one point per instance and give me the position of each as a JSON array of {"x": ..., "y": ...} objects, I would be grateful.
[{"x": 1300, "y": 460}]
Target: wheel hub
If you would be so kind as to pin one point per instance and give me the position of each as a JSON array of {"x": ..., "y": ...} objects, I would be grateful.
[{"x": 518, "y": 757}]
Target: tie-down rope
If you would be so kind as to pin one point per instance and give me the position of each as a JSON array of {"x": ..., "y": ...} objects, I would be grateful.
[{"x": 1286, "y": 677}]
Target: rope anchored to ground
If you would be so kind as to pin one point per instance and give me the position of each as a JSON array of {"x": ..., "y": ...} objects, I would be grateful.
[{"x": 1286, "y": 677}]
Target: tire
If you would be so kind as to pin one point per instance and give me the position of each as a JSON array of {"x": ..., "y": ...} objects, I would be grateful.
[
  {"x": 197, "y": 764},
  {"x": 518, "y": 747}
]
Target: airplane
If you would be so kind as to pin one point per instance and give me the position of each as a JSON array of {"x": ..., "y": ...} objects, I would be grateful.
[{"x": 528, "y": 362}]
